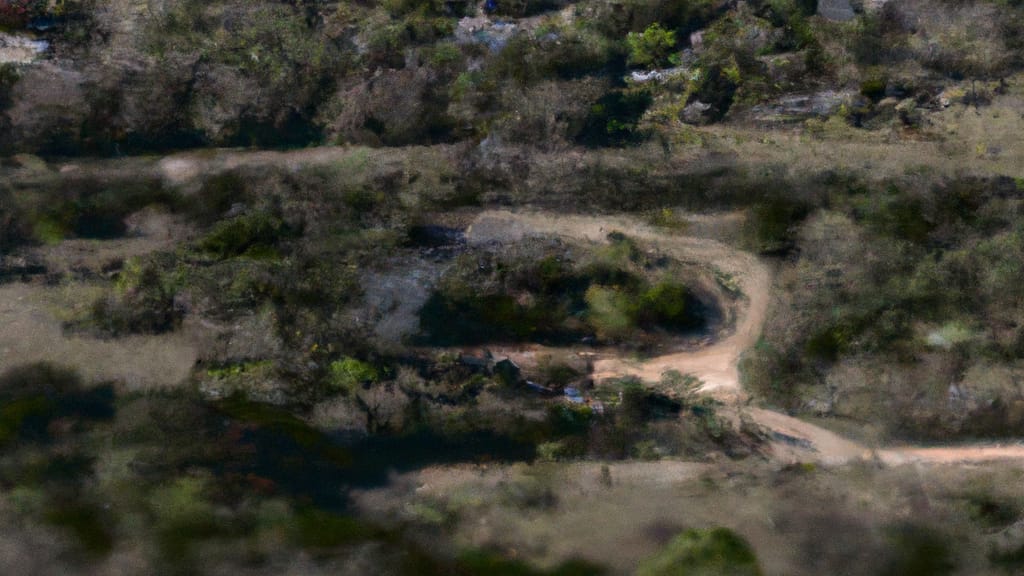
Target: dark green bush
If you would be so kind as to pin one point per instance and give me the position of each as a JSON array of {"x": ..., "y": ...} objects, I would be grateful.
[
  {"x": 718, "y": 85},
  {"x": 320, "y": 530},
  {"x": 665, "y": 305},
  {"x": 918, "y": 551},
  {"x": 613, "y": 119},
  {"x": 215, "y": 197},
  {"x": 34, "y": 395},
  {"x": 652, "y": 47},
  {"x": 773, "y": 222},
  {"x": 256, "y": 234}
]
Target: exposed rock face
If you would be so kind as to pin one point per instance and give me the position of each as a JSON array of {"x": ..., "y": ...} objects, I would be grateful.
[
  {"x": 482, "y": 30},
  {"x": 49, "y": 107},
  {"x": 696, "y": 113},
  {"x": 840, "y": 10},
  {"x": 800, "y": 106}
]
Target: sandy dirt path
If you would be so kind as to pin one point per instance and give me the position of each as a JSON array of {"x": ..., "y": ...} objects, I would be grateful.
[
  {"x": 30, "y": 331},
  {"x": 716, "y": 365}
]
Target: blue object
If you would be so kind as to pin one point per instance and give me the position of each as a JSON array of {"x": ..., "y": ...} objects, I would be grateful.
[
  {"x": 42, "y": 24},
  {"x": 491, "y": 5}
]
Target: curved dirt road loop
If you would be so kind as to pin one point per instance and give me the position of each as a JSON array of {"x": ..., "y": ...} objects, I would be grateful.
[{"x": 717, "y": 365}]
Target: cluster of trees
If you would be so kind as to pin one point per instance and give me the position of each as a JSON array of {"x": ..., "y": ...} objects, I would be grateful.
[
  {"x": 559, "y": 293},
  {"x": 901, "y": 291},
  {"x": 397, "y": 73}
]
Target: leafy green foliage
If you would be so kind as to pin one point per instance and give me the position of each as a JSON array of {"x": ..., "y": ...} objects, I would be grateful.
[
  {"x": 254, "y": 235},
  {"x": 350, "y": 373},
  {"x": 86, "y": 522},
  {"x": 607, "y": 296},
  {"x": 610, "y": 311},
  {"x": 714, "y": 552},
  {"x": 652, "y": 47},
  {"x": 664, "y": 304}
]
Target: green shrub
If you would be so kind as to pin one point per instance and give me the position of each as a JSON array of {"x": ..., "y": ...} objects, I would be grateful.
[
  {"x": 349, "y": 373},
  {"x": 553, "y": 451},
  {"x": 664, "y": 304},
  {"x": 84, "y": 521},
  {"x": 215, "y": 197},
  {"x": 652, "y": 47},
  {"x": 918, "y": 551},
  {"x": 255, "y": 235},
  {"x": 142, "y": 302},
  {"x": 320, "y": 530},
  {"x": 182, "y": 514},
  {"x": 714, "y": 552},
  {"x": 610, "y": 311},
  {"x": 772, "y": 223},
  {"x": 613, "y": 120}
]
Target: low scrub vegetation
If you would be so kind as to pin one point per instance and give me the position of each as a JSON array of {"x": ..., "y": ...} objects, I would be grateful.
[{"x": 560, "y": 293}]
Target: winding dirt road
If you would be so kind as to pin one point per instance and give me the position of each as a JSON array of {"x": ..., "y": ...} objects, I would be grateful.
[{"x": 717, "y": 364}]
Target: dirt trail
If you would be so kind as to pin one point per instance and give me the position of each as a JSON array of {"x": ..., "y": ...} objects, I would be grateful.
[
  {"x": 31, "y": 332},
  {"x": 717, "y": 365}
]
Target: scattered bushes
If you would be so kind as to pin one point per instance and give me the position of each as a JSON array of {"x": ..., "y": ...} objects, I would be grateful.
[
  {"x": 546, "y": 297},
  {"x": 142, "y": 302}
]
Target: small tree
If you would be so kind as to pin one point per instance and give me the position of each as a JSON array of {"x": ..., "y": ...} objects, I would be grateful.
[
  {"x": 715, "y": 552},
  {"x": 652, "y": 47}
]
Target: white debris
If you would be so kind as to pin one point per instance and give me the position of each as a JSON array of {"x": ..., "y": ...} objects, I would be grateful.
[{"x": 20, "y": 49}]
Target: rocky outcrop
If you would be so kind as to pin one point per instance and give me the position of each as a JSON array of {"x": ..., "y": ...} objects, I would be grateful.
[{"x": 20, "y": 49}]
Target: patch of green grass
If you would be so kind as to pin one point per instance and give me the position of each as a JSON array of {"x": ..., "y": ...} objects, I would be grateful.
[
  {"x": 86, "y": 523},
  {"x": 320, "y": 530}
]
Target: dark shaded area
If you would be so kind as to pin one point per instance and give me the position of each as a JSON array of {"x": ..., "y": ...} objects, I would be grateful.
[
  {"x": 556, "y": 309},
  {"x": 313, "y": 467},
  {"x": 918, "y": 551},
  {"x": 33, "y": 396},
  {"x": 613, "y": 119}
]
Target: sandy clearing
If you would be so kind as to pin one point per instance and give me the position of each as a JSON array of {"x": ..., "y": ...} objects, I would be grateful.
[{"x": 30, "y": 332}]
